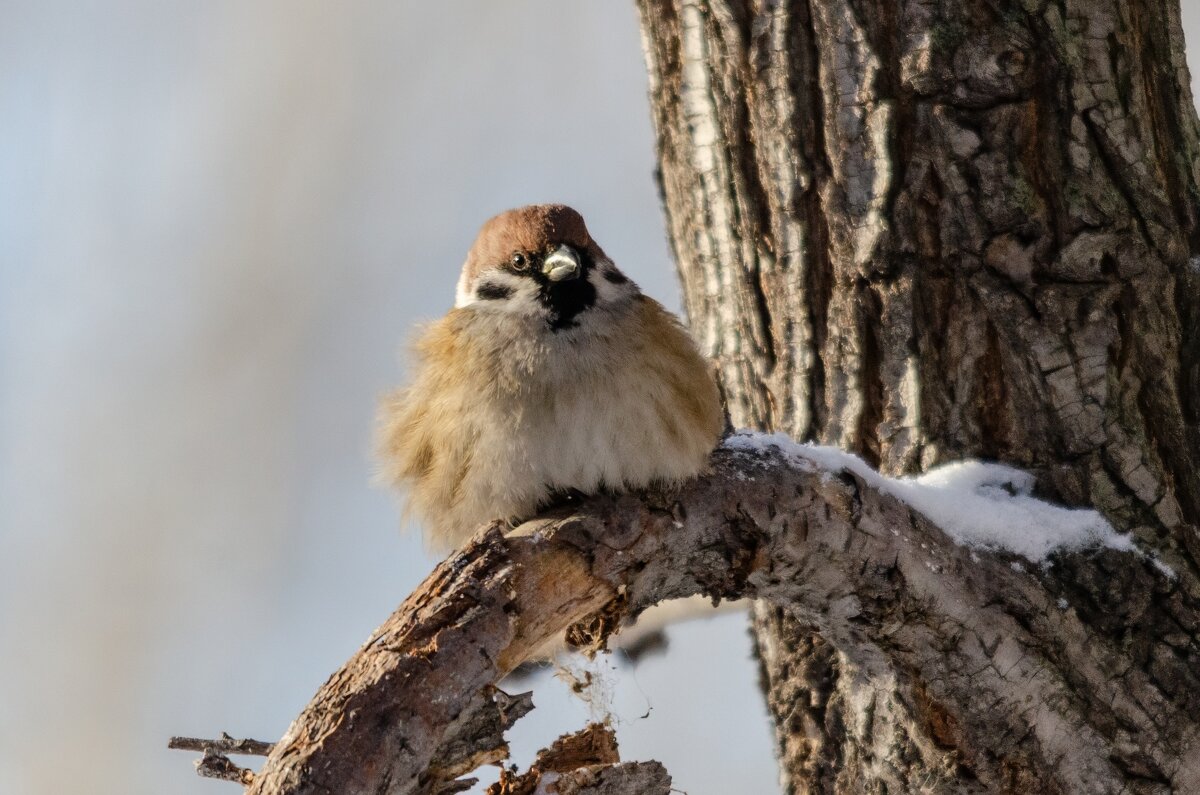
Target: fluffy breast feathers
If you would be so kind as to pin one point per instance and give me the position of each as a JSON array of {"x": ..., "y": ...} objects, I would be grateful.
[{"x": 500, "y": 417}]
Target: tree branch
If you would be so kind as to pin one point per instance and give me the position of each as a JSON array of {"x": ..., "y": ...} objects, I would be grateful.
[
  {"x": 416, "y": 706},
  {"x": 215, "y": 763},
  {"x": 223, "y": 744}
]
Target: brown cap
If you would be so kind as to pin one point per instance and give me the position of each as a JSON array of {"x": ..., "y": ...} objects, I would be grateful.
[{"x": 536, "y": 228}]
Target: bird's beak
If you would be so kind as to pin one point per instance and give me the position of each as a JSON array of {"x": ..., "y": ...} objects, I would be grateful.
[{"x": 561, "y": 264}]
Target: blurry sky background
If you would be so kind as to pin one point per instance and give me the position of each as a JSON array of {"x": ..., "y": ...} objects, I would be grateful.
[{"x": 219, "y": 221}]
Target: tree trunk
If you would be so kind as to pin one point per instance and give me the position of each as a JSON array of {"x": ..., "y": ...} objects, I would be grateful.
[{"x": 925, "y": 230}]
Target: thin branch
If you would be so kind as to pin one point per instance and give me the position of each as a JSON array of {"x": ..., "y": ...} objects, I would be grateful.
[
  {"x": 223, "y": 744},
  {"x": 214, "y": 763}
]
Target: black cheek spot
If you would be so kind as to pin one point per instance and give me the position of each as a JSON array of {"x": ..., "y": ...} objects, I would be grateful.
[
  {"x": 614, "y": 276},
  {"x": 490, "y": 291}
]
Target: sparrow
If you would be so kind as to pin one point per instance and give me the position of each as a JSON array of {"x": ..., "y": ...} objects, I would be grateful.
[{"x": 553, "y": 374}]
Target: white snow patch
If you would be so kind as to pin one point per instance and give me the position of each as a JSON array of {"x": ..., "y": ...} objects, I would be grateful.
[
  {"x": 979, "y": 505},
  {"x": 1163, "y": 568},
  {"x": 1063, "y": 604}
]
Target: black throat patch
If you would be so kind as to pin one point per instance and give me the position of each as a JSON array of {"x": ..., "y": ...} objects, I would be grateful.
[{"x": 567, "y": 299}]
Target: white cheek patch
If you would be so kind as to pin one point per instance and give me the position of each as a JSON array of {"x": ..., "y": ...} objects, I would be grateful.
[
  {"x": 522, "y": 295},
  {"x": 462, "y": 292},
  {"x": 608, "y": 290}
]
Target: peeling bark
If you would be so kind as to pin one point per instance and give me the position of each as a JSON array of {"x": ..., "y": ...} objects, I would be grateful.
[
  {"x": 585, "y": 763},
  {"x": 929, "y": 230}
]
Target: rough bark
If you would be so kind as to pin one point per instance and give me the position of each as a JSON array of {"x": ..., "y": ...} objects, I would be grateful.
[
  {"x": 925, "y": 230},
  {"x": 585, "y": 763},
  {"x": 998, "y": 655}
]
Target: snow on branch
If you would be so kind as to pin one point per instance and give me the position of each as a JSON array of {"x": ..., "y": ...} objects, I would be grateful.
[
  {"x": 817, "y": 532},
  {"x": 978, "y": 504}
]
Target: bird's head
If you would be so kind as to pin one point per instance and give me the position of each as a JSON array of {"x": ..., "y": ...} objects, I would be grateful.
[{"x": 540, "y": 261}]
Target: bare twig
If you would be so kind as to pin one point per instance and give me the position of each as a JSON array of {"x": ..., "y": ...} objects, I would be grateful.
[
  {"x": 214, "y": 763},
  {"x": 223, "y": 744}
]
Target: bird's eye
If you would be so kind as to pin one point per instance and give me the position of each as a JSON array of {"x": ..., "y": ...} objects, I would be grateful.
[{"x": 519, "y": 261}]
